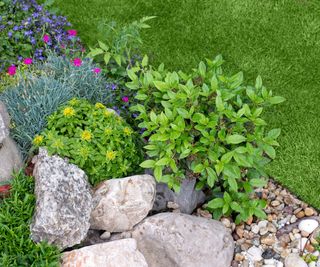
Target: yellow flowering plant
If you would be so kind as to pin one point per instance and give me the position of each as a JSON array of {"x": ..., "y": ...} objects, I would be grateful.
[{"x": 94, "y": 138}]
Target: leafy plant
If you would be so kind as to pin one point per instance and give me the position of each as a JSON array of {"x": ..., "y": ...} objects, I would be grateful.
[
  {"x": 41, "y": 91},
  {"x": 94, "y": 138},
  {"x": 116, "y": 51},
  {"x": 206, "y": 126},
  {"x": 17, "y": 249}
]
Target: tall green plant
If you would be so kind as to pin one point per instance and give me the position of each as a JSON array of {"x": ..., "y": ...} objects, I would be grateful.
[
  {"x": 206, "y": 126},
  {"x": 117, "y": 49}
]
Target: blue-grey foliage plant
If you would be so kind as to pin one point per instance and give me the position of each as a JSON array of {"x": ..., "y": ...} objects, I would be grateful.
[{"x": 57, "y": 81}]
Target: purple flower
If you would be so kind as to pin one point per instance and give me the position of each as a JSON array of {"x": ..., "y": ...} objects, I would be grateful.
[
  {"x": 15, "y": 28},
  {"x": 27, "y": 33},
  {"x": 114, "y": 86},
  {"x": 10, "y": 34}
]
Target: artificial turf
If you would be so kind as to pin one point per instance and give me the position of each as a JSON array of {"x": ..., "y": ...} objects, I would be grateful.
[{"x": 278, "y": 39}]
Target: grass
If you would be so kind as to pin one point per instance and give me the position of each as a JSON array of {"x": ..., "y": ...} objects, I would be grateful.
[
  {"x": 278, "y": 39},
  {"x": 17, "y": 249}
]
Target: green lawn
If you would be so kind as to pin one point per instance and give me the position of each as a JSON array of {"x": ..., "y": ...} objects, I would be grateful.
[{"x": 278, "y": 39}]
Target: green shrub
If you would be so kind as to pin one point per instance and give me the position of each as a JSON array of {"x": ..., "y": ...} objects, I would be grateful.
[
  {"x": 117, "y": 50},
  {"x": 94, "y": 138},
  {"x": 206, "y": 126},
  {"x": 39, "y": 93},
  {"x": 17, "y": 249}
]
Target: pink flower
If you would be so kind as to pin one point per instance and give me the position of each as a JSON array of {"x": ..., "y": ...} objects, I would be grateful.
[
  {"x": 97, "y": 70},
  {"x": 27, "y": 61},
  {"x": 72, "y": 32},
  {"x": 125, "y": 99},
  {"x": 46, "y": 38},
  {"x": 12, "y": 70},
  {"x": 77, "y": 62}
]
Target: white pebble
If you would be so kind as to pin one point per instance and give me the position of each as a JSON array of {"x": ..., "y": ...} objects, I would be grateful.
[
  {"x": 254, "y": 254},
  {"x": 308, "y": 225}
]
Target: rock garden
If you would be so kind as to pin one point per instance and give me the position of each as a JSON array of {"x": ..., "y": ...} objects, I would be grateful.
[{"x": 109, "y": 160}]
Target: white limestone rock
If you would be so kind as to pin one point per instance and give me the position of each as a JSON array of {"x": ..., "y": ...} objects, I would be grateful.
[
  {"x": 63, "y": 201},
  {"x": 119, "y": 204},
  {"x": 181, "y": 240},
  {"x": 120, "y": 253}
]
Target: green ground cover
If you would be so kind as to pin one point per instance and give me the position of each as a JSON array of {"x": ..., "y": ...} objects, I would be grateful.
[{"x": 280, "y": 40}]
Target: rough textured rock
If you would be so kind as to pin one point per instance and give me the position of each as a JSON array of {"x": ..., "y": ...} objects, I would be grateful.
[
  {"x": 119, "y": 204},
  {"x": 64, "y": 201},
  {"x": 10, "y": 159},
  {"x": 4, "y": 122},
  {"x": 293, "y": 260},
  {"x": 120, "y": 253},
  {"x": 187, "y": 199},
  {"x": 180, "y": 240}
]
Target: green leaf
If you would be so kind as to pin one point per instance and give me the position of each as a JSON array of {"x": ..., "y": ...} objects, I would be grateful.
[
  {"x": 132, "y": 74},
  {"x": 259, "y": 213},
  {"x": 276, "y": 100},
  {"x": 216, "y": 203},
  {"x": 158, "y": 173},
  {"x": 145, "y": 60},
  {"x": 219, "y": 103},
  {"x": 153, "y": 117},
  {"x": 106, "y": 58},
  {"x": 225, "y": 208},
  {"x": 235, "y": 139},
  {"x": 227, "y": 198},
  {"x": 233, "y": 184},
  {"x": 148, "y": 164},
  {"x": 227, "y": 157},
  {"x": 212, "y": 176},
  {"x": 163, "y": 162},
  {"x": 183, "y": 112},
  {"x": 231, "y": 170},
  {"x": 162, "y": 86},
  {"x": 258, "y": 83},
  {"x": 274, "y": 134},
  {"x": 185, "y": 153},
  {"x": 243, "y": 160},
  {"x": 198, "y": 168},
  {"x": 103, "y": 46},
  {"x": 235, "y": 206},
  {"x": 117, "y": 58},
  {"x": 95, "y": 52},
  {"x": 270, "y": 151},
  {"x": 202, "y": 69},
  {"x": 141, "y": 96},
  {"x": 257, "y": 182}
]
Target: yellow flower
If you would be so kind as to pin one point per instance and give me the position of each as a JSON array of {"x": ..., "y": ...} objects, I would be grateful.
[
  {"x": 107, "y": 113},
  {"x": 86, "y": 135},
  {"x": 99, "y": 105},
  {"x": 73, "y": 101},
  {"x": 68, "y": 112},
  {"x": 58, "y": 144},
  {"x": 38, "y": 139},
  {"x": 111, "y": 155},
  {"x": 108, "y": 131},
  {"x": 127, "y": 131}
]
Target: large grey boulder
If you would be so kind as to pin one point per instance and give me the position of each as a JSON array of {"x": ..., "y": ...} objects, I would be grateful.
[
  {"x": 120, "y": 253},
  {"x": 10, "y": 158},
  {"x": 63, "y": 201},
  {"x": 4, "y": 122},
  {"x": 181, "y": 240},
  {"x": 119, "y": 204},
  {"x": 187, "y": 199}
]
